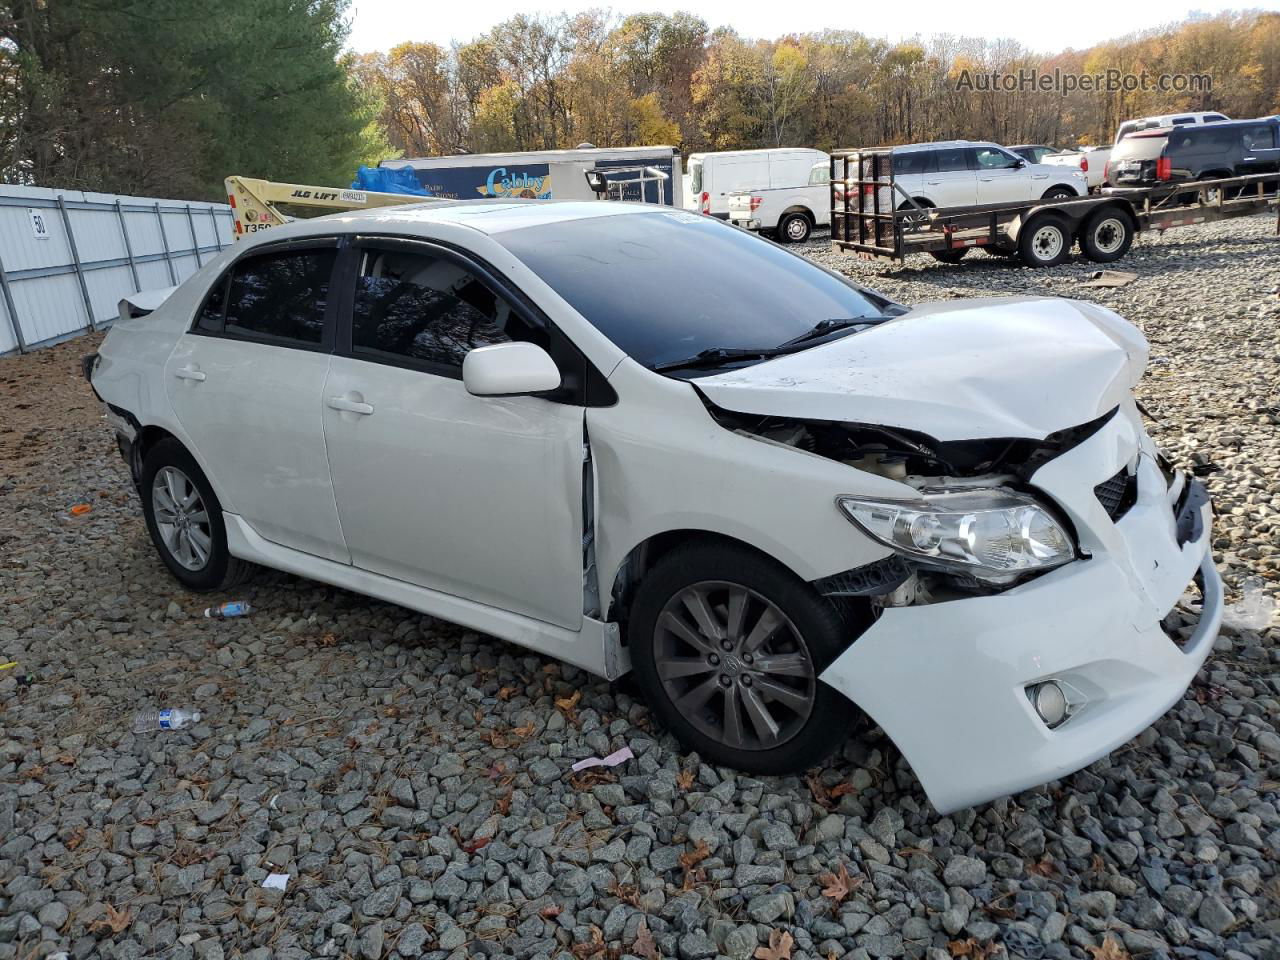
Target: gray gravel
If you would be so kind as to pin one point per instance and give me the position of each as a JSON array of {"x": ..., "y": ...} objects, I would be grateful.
[{"x": 412, "y": 777}]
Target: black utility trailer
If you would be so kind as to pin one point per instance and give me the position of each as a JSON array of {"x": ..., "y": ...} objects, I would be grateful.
[{"x": 872, "y": 216}]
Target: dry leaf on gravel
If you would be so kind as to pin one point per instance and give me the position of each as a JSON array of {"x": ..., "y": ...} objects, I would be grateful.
[
  {"x": 1110, "y": 950},
  {"x": 779, "y": 947},
  {"x": 645, "y": 946},
  {"x": 838, "y": 885}
]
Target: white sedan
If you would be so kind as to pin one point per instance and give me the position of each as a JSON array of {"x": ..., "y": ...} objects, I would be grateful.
[{"x": 635, "y": 438}]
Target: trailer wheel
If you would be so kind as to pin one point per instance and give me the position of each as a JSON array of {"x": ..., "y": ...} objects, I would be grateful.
[
  {"x": 1044, "y": 242},
  {"x": 794, "y": 228},
  {"x": 1107, "y": 235},
  {"x": 954, "y": 255}
]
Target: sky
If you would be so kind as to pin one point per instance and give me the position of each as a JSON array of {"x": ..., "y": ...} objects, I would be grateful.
[{"x": 1044, "y": 27}]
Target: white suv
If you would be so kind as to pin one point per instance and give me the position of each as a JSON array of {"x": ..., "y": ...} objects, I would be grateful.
[
  {"x": 635, "y": 437},
  {"x": 963, "y": 173}
]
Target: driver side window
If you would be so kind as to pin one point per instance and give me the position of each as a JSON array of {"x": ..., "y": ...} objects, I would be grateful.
[{"x": 427, "y": 310}]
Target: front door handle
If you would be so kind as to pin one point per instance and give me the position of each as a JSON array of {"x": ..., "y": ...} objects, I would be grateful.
[
  {"x": 188, "y": 373},
  {"x": 351, "y": 406}
]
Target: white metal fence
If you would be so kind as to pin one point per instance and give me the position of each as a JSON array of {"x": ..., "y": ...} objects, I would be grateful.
[{"x": 67, "y": 258}]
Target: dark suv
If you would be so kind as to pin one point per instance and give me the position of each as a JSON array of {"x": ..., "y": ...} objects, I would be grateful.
[{"x": 1233, "y": 148}]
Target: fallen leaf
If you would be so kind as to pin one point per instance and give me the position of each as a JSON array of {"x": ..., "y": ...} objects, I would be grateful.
[
  {"x": 645, "y": 946},
  {"x": 1110, "y": 950},
  {"x": 779, "y": 947},
  {"x": 971, "y": 948},
  {"x": 117, "y": 921},
  {"x": 838, "y": 885}
]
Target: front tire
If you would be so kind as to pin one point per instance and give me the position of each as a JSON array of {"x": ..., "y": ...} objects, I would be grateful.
[
  {"x": 794, "y": 228},
  {"x": 184, "y": 519},
  {"x": 727, "y": 646},
  {"x": 1044, "y": 242}
]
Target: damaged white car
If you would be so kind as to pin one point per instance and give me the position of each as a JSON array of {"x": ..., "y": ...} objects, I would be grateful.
[{"x": 635, "y": 438}]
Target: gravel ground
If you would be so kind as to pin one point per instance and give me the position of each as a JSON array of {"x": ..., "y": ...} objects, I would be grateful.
[{"x": 412, "y": 778}]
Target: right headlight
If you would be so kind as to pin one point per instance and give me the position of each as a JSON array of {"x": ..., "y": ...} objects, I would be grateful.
[{"x": 992, "y": 534}]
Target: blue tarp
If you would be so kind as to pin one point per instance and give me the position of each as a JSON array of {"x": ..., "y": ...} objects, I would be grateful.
[{"x": 388, "y": 180}]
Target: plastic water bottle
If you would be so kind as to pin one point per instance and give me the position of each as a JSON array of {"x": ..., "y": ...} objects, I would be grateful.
[
  {"x": 236, "y": 608},
  {"x": 175, "y": 718}
]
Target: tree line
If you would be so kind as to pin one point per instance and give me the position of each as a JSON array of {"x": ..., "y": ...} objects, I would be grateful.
[
  {"x": 166, "y": 97},
  {"x": 540, "y": 82}
]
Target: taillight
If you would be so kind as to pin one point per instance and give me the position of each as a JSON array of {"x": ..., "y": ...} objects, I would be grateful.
[
  {"x": 1084, "y": 164},
  {"x": 1164, "y": 169},
  {"x": 755, "y": 203},
  {"x": 706, "y": 202}
]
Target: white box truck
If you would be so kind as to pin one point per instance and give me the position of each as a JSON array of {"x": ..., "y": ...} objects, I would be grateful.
[{"x": 714, "y": 177}]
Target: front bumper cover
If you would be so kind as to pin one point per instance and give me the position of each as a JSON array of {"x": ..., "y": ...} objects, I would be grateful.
[{"x": 947, "y": 681}]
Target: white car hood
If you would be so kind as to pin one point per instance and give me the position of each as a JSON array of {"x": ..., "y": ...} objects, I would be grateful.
[{"x": 959, "y": 370}]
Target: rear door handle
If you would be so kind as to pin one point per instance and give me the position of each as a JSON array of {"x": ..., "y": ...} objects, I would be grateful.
[
  {"x": 351, "y": 406},
  {"x": 188, "y": 373}
]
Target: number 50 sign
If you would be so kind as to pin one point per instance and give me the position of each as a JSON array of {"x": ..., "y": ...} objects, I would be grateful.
[{"x": 39, "y": 223}]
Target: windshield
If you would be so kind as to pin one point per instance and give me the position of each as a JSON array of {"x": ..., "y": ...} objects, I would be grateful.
[
  {"x": 668, "y": 285},
  {"x": 695, "y": 178}
]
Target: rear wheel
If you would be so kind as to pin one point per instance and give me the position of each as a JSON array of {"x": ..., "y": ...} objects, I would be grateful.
[
  {"x": 1044, "y": 242},
  {"x": 184, "y": 519},
  {"x": 1107, "y": 236},
  {"x": 727, "y": 646},
  {"x": 794, "y": 228},
  {"x": 950, "y": 256}
]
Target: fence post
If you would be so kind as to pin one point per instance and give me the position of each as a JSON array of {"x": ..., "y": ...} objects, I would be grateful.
[
  {"x": 168, "y": 257},
  {"x": 217, "y": 235},
  {"x": 128, "y": 248},
  {"x": 75, "y": 257},
  {"x": 12, "y": 310},
  {"x": 195, "y": 244}
]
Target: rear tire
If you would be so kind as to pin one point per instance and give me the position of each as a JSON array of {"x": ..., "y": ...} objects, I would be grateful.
[
  {"x": 727, "y": 646},
  {"x": 1045, "y": 241},
  {"x": 794, "y": 228},
  {"x": 1107, "y": 236},
  {"x": 184, "y": 519},
  {"x": 950, "y": 256}
]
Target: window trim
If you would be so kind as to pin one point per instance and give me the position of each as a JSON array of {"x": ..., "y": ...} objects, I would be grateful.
[
  {"x": 327, "y": 335},
  {"x": 587, "y": 387}
]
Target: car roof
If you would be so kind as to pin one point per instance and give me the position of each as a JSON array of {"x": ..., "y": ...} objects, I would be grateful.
[{"x": 485, "y": 216}]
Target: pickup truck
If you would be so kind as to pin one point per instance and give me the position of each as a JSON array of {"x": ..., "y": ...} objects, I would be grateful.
[
  {"x": 788, "y": 213},
  {"x": 1092, "y": 161}
]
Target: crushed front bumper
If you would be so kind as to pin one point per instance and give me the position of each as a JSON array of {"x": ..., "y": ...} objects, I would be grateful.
[{"x": 948, "y": 681}]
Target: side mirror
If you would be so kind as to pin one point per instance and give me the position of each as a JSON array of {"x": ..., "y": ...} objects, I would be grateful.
[{"x": 509, "y": 369}]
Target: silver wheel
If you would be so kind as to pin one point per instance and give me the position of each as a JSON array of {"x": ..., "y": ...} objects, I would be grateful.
[
  {"x": 734, "y": 665},
  {"x": 797, "y": 229},
  {"x": 181, "y": 518},
  {"x": 1046, "y": 243},
  {"x": 1109, "y": 235}
]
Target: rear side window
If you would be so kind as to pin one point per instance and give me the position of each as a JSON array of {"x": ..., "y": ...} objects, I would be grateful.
[
  {"x": 281, "y": 297},
  {"x": 951, "y": 159},
  {"x": 419, "y": 307}
]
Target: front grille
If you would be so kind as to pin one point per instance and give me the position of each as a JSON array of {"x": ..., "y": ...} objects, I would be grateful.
[{"x": 1117, "y": 494}]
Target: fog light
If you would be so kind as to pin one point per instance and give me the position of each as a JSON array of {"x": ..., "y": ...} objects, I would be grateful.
[{"x": 1050, "y": 702}]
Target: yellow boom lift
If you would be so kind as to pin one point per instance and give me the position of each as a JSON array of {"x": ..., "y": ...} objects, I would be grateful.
[{"x": 253, "y": 202}]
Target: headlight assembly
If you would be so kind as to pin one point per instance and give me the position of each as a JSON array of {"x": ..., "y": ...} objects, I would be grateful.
[{"x": 992, "y": 535}]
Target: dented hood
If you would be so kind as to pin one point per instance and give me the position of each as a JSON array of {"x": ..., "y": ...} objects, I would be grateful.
[{"x": 959, "y": 370}]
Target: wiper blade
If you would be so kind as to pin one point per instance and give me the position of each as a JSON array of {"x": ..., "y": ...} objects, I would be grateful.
[
  {"x": 824, "y": 327},
  {"x": 718, "y": 356}
]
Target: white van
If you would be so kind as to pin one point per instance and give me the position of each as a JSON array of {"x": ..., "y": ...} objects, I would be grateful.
[{"x": 714, "y": 177}]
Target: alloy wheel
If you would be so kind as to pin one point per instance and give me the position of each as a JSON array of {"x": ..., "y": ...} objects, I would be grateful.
[
  {"x": 181, "y": 518},
  {"x": 734, "y": 665}
]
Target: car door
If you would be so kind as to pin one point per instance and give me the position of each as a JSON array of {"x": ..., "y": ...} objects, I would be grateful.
[
  {"x": 949, "y": 178},
  {"x": 476, "y": 497},
  {"x": 245, "y": 383},
  {"x": 1001, "y": 176}
]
